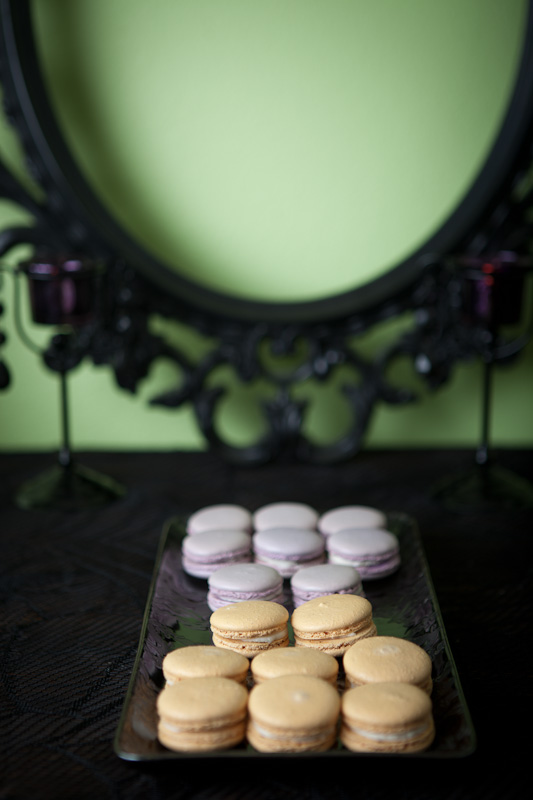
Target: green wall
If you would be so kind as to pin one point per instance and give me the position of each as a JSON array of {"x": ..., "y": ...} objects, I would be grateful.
[{"x": 273, "y": 165}]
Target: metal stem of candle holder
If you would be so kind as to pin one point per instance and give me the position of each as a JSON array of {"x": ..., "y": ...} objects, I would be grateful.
[
  {"x": 62, "y": 293},
  {"x": 494, "y": 291}
]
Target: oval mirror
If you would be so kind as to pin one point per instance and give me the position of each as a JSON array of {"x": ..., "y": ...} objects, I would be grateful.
[{"x": 275, "y": 160}]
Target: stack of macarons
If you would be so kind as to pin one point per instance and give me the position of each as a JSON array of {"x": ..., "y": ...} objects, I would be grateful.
[
  {"x": 250, "y": 627},
  {"x": 340, "y": 682},
  {"x": 286, "y": 537},
  {"x": 386, "y": 707},
  {"x": 205, "y": 553},
  {"x": 374, "y": 553},
  {"x": 333, "y": 623},
  {"x": 357, "y": 536},
  {"x": 216, "y": 536},
  {"x": 282, "y": 536},
  {"x": 203, "y": 705},
  {"x": 293, "y": 713},
  {"x": 387, "y": 718},
  {"x": 236, "y": 583},
  {"x": 288, "y": 549},
  {"x": 332, "y": 553},
  {"x": 202, "y": 714},
  {"x": 329, "y": 624},
  {"x": 294, "y": 703}
]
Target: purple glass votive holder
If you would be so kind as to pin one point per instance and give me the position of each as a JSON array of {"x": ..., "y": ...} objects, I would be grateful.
[
  {"x": 62, "y": 289},
  {"x": 494, "y": 287}
]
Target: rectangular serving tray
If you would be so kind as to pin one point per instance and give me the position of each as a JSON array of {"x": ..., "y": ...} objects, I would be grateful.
[{"x": 177, "y": 615}]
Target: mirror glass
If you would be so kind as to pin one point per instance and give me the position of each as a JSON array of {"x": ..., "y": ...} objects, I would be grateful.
[{"x": 280, "y": 150}]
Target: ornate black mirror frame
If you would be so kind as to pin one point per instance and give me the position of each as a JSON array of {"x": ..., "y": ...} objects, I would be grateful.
[{"x": 493, "y": 217}]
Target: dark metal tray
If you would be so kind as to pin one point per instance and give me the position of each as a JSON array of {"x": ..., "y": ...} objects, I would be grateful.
[{"x": 177, "y": 614}]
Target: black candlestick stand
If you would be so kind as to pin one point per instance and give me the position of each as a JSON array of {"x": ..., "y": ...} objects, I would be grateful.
[
  {"x": 62, "y": 292},
  {"x": 67, "y": 485},
  {"x": 494, "y": 290}
]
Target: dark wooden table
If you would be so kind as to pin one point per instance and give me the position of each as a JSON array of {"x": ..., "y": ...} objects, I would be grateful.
[{"x": 74, "y": 586}]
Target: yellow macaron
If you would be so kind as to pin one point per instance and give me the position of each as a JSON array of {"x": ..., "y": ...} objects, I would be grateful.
[
  {"x": 202, "y": 661},
  {"x": 386, "y": 718},
  {"x": 293, "y": 713},
  {"x": 250, "y": 627},
  {"x": 382, "y": 659},
  {"x": 333, "y": 623},
  {"x": 202, "y": 714},
  {"x": 294, "y": 661}
]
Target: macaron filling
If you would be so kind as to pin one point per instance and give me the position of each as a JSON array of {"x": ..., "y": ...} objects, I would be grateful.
[
  {"x": 322, "y": 579},
  {"x": 350, "y": 634},
  {"x": 368, "y": 566},
  {"x": 375, "y": 553},
  {"x": 218, "y": 600},
  {"x": 287, "y": 549},
  {"x": 388, "y": 736},
  {"x": 272, "y": 637},
  {"x": 360, "y": 633},
  {"x": 215, "y": 725},
  {"x": 262, "y": 638},
  {"x": 237, "y": 583},
  {"x": 287, "y": 567},
  {"x": 287, "y": 736},
  {"x": 303, "y": 597}
]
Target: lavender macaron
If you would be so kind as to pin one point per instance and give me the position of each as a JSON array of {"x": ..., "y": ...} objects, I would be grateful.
[
  {"x": 285, "y": 515},
  {"x": 237, "y": 582},
  {"x": 203, "y": 553},
  {"x": 325, "y": 579},
  {"x": 374, "y": 552},
  {"x": 343, "y": 517},
  {"x": 224, "y": 516},
  {"x": 288, "y": 549}
]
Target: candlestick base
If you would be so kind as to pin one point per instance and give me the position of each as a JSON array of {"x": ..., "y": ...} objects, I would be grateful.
[
  {"x": 70, "y": 487},
  {"x": 487, "y": 486}
]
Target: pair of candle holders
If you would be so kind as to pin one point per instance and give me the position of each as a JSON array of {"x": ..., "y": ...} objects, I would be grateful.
[{"x": 64, "y": 292}]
